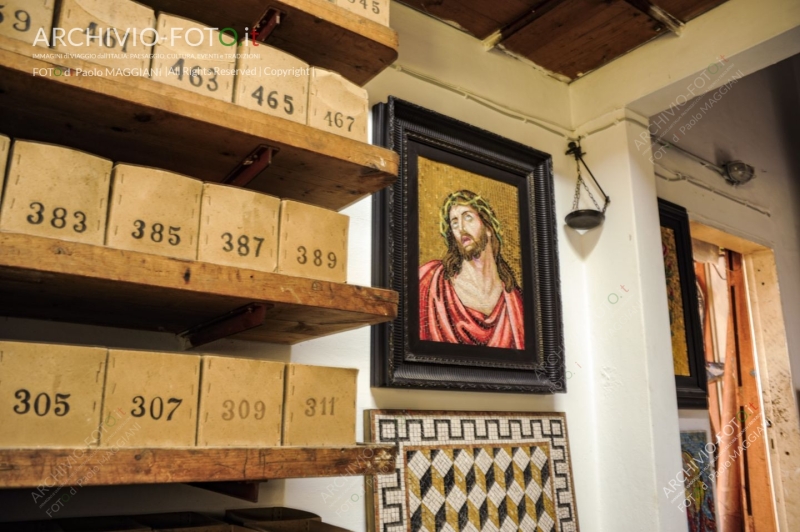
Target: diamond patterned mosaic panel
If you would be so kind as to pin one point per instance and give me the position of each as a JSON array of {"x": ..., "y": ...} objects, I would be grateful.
[{"x": 474, "y": 472}]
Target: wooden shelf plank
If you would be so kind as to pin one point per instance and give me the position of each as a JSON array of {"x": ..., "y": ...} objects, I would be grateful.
[
  {"x": 42, "y": 278},
  {"x": 317, "y": 31},
  {"x": 30, "y": 468},
  {"x": 140, "y": 121}
]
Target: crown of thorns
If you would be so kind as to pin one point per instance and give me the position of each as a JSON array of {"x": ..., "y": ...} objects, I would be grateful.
[{"x": 468, "y": 198}]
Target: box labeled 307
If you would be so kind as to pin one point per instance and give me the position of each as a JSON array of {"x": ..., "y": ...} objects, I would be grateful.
[
  {"x": 159, "y": 391},
  {"x": 56, "y": 192}
]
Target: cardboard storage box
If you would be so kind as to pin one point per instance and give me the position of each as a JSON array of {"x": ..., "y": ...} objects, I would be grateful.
[
  {"x": 275, "y": 83},
  {"x": 182, "y": 522},
  {"x": 103, "y": 25},
  {"x": 213, "y": 77},
  {"x": 375, "y": 10},
  {"x": 56, "y": 192},
  {"x": 241, "y": 402},
  {"x": 154, "y": 211},
  {"x": 158, "y": 393},
  {"x": 50, "y": 395},
  {"x": 5, "y": 146},
  {"x": 319, "y": 406},
  {"x": 25, "y": 19},
  {"x": 337, "y": 105},
  {"x": 313, "y": 242},
  {"x": 238, "y": 228},
  {"x": 263, "y": 516},
  {"x": 102, "y": 524}
]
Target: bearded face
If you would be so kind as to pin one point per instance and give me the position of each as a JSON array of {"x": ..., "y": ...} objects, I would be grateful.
[{"x": 469, "y": 232}]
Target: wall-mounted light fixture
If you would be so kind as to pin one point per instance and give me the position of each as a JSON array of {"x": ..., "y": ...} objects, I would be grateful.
[
  {"x": 734, "y": 172},
  {"x": 585, "y": 218}
]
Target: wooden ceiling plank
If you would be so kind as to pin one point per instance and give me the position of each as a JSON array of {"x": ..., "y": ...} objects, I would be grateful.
[
  {"x": 659, "y": 15},
  {"x": 686, "y": 10},
  {"x": 477, "y": 17}
]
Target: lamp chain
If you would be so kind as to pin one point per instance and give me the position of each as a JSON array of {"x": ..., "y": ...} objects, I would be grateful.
[{"x": 578, "y": 190}]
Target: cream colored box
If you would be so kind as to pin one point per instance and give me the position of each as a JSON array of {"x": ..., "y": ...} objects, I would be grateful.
[
  {"x": 109, "y": 28},
  {"x": 25, "y": 20},
  {"x": 56, "y": 192},
  {"x": 159, "y": 391},
  {"x": 5, "y": 146},
  {"x": 241, "y": 402},
  {"x": 319, "y": 406},
  {"x": 238, "y": 228},
  {"x": 50, "y": 395},
  {"x": 313, "y": 242},
  {"x": 375, "y": 10},
  {"x": 154, "y": 211},
  {"x": 337, "y": 105},
  {"x": 274, "y": 82},
  {"x": 197, "y": 73}
]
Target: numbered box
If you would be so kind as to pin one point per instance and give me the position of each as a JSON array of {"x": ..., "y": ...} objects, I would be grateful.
[
  {"x": 50, "y": 395},
  {"x": 238, "y": 228},
  {"x": 25, "y": 20},
  {"x": 118, "y": 33},
  {"x": 203, "y": 65},
  {"x": 159, "y": 392},
  {"x": 56, "y": 192},
  {"x": 337, "y": 105},
  {"x": 154, "y": 211},
  {"x": 241, "y": 402},
  {"x": 375, "y": 10},
  {"x": 5, "y": 146},
  {"x": 313, "y": 242},
  {"x": 272, "y": 82},
  {"x": 319, "y": 406}
]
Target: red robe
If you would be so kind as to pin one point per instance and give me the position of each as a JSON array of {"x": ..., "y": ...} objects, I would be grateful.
[{"x": 443, "y": 318}]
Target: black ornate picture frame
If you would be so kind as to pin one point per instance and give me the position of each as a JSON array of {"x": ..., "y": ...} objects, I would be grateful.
[
  {"x": 463, "y": 192},
  {"x": 688, "y": 352}
]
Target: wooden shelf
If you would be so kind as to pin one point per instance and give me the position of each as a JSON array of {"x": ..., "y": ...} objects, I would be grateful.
[
  {"x": 42, "y": 278},
  {"x": 317, "y": 31},
  {"x": 29, "y": 468},
  {"x": 141, "y": 121}
]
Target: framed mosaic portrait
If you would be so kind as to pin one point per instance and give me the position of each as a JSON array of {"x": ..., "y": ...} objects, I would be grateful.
[
  {"x": 472, "y": 472},
  {"x": 467, "y": 236},
  {"x": 688, "y": 358}
]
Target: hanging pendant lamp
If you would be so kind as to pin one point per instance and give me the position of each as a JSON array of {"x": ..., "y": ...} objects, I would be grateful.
[{"x": 585, "y": 218}]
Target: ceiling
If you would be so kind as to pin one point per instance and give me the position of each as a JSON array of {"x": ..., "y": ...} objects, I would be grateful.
[{"x": 566, "y": 37}]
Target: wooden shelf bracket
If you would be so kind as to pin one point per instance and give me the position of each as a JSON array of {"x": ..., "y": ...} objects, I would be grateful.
[
  {"x": 264, "y": 27},
  {"x": 259, "y": 160}
]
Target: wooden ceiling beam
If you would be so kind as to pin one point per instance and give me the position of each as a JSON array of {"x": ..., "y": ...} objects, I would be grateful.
[
  {"x": 658, "y": 14},
  {"x": 504, "y": 33}
]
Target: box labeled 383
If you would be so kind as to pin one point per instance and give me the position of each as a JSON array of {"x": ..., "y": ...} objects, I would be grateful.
[{"x": 56, "y": 192}]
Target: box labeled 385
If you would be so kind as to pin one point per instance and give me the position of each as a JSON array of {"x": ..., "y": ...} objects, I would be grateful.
[
  {"x": 50, "y": 395},
  {"x": 56, "y": 192},
  {"x": 154, "y": 211},
  {"x": 117, "y": 33}
]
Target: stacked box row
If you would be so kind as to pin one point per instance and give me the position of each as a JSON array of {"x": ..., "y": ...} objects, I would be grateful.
[
  {"x": 90, "y": 396},
  {"x": 128, "y": 39},
  {"x": 58, "y": 192}
]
